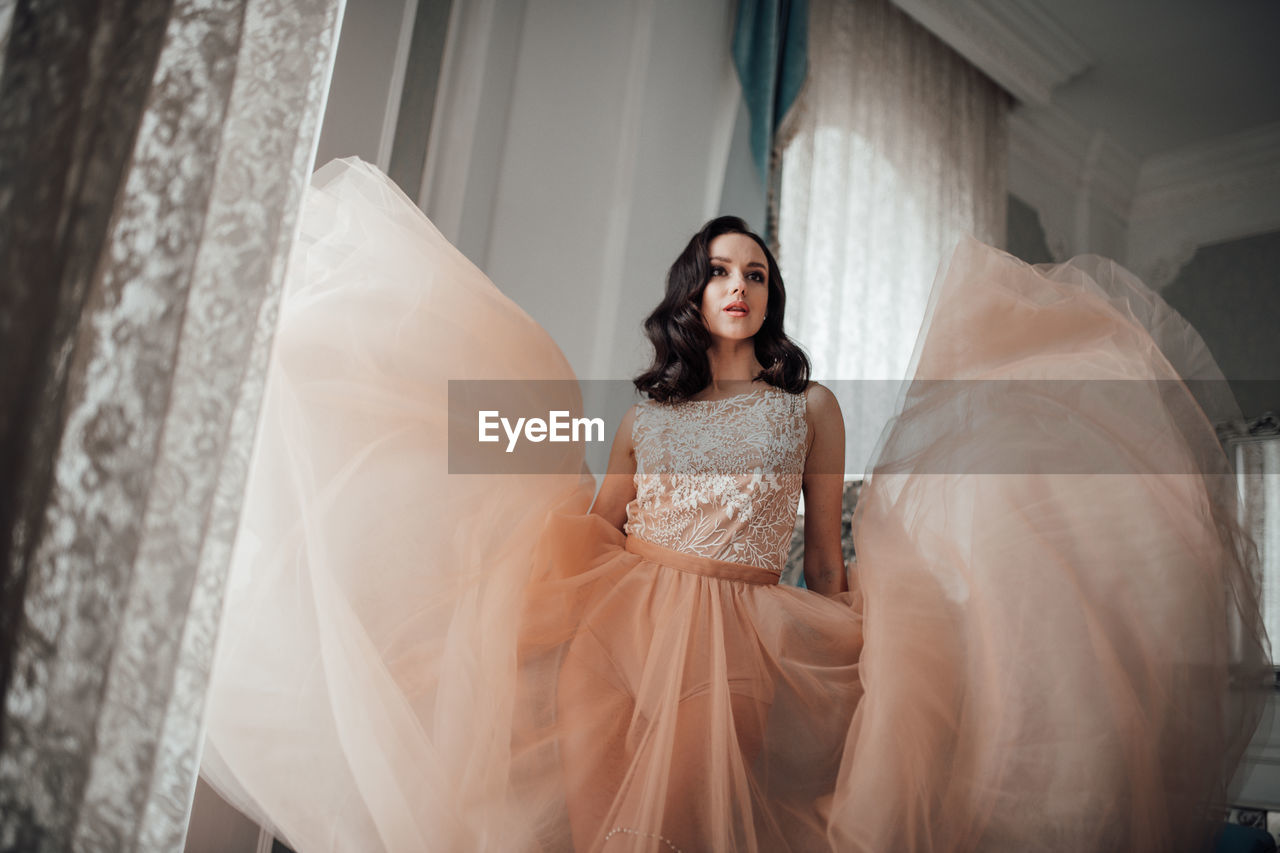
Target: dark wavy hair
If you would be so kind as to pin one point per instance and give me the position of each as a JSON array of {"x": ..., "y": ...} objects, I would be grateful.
[{"x": 680, "y": 339}]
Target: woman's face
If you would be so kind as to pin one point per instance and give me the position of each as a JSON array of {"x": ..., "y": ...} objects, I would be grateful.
[{"x": 737, "y": 294}]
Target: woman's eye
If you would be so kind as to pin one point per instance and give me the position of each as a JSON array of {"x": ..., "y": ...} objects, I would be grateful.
[
  {"x": 717, "y": 270},
  {"x": 757, "y": 276}
]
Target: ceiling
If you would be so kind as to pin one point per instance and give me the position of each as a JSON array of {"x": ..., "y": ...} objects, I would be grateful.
[{"x": 1167, "y": 74}]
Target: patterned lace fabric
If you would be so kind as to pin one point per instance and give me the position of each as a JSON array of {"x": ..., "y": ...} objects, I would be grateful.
[{"x": 720, "y": 478}]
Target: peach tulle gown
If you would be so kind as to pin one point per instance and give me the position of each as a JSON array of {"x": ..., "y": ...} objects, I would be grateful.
[{"x": 1050, "y": 593}]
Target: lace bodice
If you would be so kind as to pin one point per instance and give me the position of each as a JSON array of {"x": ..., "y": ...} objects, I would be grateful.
[{"x": 720, "y": 478}]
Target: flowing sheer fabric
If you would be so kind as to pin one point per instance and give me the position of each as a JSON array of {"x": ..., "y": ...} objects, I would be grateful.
[
  {"x": 363, "y": 688},
  {"x": 1055, "y": 577},
  {"x": 1034, "y": 657}
]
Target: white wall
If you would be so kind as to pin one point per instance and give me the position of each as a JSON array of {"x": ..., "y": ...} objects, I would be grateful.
[
  {"x": 744, "y": 191},
  {"x": 368, "y": 74},
  {"x": 585, "y": 143}
]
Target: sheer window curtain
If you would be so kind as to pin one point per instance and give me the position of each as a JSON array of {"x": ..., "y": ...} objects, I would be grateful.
[
  {"x": 153, "y": 154},
  {"x": 896, "y": 148}
]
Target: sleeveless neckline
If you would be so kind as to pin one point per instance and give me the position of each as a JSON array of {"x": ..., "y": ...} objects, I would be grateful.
[{"x": 741, "y": 396}]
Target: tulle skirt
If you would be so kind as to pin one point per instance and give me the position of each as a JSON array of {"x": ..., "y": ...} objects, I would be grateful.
[{"x": 1050, "y": 601}]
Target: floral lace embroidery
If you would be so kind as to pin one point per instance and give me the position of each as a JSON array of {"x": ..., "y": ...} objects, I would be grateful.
[{"x": 720, "y": 478}]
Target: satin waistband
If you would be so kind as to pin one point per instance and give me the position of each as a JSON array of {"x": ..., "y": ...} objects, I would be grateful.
[{"x": 706, "y": 566}]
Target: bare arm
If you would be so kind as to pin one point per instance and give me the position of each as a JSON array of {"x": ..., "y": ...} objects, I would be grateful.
[
  {"x": 824, "y": 570},
  {"x": 619, "y": 487}
]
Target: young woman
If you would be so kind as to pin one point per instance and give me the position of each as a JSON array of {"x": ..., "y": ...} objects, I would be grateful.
[
  {"x": 691, "y": 678},
  {"x": 1031, "y": 651},
  {"x": 710, "y": 335}
]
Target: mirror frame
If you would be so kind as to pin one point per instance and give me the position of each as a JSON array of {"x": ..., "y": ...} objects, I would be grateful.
[{"x": 1234, "y": 437}]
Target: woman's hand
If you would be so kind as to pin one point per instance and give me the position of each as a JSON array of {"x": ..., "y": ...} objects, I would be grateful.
[
  {"x": 824, "y": 570},
  {"x": 619, "y": 487}
]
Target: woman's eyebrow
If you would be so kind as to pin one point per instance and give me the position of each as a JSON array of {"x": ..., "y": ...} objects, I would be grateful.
[{"x": 727, "y": 261}]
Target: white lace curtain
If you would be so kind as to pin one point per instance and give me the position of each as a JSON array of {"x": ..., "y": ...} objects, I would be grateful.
[
  {"x": 897, "y": 147},
  {"x": 155, "y": 153}
]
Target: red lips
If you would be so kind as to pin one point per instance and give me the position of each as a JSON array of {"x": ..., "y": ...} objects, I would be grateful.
[{"x": 738, "y": 306}]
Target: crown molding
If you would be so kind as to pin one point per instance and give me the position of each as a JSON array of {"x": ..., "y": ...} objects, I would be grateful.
[
  {"x": 1055, "y": 147},
  {"x": 1226, "y": 170},
  {"x": 1222, "y": 189},
  {"x": 1159, "y": 211},
  {"x": 1019, "y": 45}
]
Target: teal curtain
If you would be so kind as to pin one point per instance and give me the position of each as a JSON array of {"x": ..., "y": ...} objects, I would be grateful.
[{"x": 770, "y": 51}]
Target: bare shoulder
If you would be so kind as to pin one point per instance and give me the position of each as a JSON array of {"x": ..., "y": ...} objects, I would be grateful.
[
  {"x": 626, "y": 425},
  {"x": 825, "y": 433},
  {"x": 822, "y": 404}
]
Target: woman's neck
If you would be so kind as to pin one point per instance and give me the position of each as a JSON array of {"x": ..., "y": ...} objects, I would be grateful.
[{"x": 733, "y": 365}]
